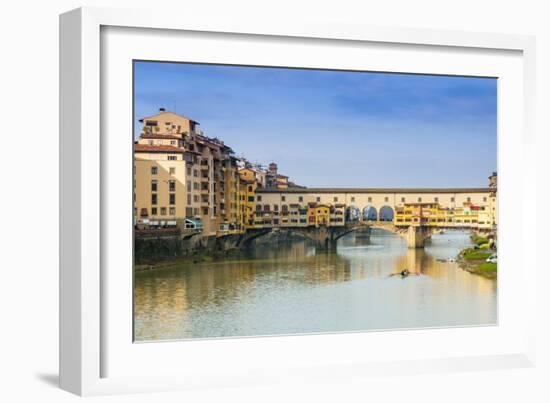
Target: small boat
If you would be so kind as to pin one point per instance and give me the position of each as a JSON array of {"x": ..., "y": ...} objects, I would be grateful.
[{"x": 404, "y": 273}]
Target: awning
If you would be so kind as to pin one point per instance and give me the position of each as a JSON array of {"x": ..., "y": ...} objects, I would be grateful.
[{"x": 195, "y": 222}]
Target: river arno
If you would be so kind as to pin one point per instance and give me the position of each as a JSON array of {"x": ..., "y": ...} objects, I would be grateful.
[{"x": 293, "y": 289}]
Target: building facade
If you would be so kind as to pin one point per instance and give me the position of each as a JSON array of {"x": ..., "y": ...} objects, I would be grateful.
[
  {"x": 203, "y": 168},
  {"x": 159, "y": 185},
  {"x": 181, "y": 175}
]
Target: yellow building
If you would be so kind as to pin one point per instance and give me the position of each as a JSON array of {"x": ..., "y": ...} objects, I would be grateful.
[
  {"x": 418, "y": 214},
  {"x": 318, "y": 214},
  {"x": 468, "y": 215},
  {"x": 246, "y": 198},
  {"x": 159, "y": 185}
]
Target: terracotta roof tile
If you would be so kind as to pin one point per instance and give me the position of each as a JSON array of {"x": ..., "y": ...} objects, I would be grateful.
[
  {"x": 157, "y": 149},
  {"x": 160, "y": 136}
]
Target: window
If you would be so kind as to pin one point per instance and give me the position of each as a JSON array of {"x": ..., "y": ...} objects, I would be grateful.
[
  {"x": 153, "y": 185},
  {"x": 275, "y": 207},
  {"x": 173, "y": 142},
  {"x": 300, "y": 199},
  {"x": 196, "y": 198},
  {"x": 154, "y": 199},
  {"x": 189, "y": 171},
  {"x": 353, "y": 199},
  {"x": 259, "y": 198},
  {"x": 369, "y": 199},
  {"x": 436, "y": 199},
  {"x": 469, "y": 199},
  {"x": 195, "y": 173},
  {"x": 250, "y": 189},
  {"x": 154, "y": 170},
  {"x": 172, "y": 158},
  {"x": 402, "y": 200},
  {"x": 283, "y": 198},
  {"x": 386, "y": 199},
  {"x": 172, "y": 170},
  {"x": 335, "y": 199},
  {"x": 188, "y": 199},
  {"x": 318, "y": 199},
  {"x": 188, "y": 186},
  {"x": 196, "y": 185},
  {"x": 452, "y": 199},
  {"x": 172, "y": 198},
  {"x": 172, "y": 211},
  {"x": 420, "y": 200},
  {"x": 250, "y": 198},
  {"x": 163, "y": 211},
  {"x": 172, "y": 186},
  {"x": 154, "y": 211},
  {"x": 484, "y": 199}
]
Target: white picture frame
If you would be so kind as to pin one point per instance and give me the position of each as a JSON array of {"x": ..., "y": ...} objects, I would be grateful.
[{"x": 96, "y": 356}]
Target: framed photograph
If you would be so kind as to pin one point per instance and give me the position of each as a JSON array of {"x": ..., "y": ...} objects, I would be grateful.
[{"x": 252, "y": 203}]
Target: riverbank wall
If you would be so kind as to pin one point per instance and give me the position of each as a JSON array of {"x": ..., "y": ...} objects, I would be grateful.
[{"x": 151, "y": 250}]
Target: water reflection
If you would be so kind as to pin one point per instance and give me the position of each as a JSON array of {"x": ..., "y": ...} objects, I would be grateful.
[{"x": 282, "y": 289}]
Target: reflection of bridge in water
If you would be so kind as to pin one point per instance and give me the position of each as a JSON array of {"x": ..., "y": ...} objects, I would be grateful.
[{"x": 327, "y": 237}]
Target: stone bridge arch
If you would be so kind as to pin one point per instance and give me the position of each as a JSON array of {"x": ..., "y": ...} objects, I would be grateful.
[
  {"x": 386, "y": 213},
  {"x": 353, "y": 213},
  {"x": 369, "y": 213}
]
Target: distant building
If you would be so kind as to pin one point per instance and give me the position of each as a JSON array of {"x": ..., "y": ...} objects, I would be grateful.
[
  {"x": 493, "y": 180},
  {"x": 274, "y": 179},
  {"x": 493, "y": 200}
]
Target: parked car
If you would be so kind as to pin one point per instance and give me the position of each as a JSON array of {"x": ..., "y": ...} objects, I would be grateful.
[{"x": 492, "y": 258}]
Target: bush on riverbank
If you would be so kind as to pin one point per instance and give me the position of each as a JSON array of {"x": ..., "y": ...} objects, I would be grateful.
[
  {"x": 474, "y": 261},
  {"x": 475, "y": 254},
  {"x": 479, "y": 240},
  {"x": 488, "y": 267}
]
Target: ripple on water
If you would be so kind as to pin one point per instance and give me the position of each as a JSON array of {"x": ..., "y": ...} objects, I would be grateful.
[{"x": 294, "y": 289}]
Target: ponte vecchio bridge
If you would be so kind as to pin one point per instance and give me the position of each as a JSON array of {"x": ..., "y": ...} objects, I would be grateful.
[{"x": 376, "y": 208}]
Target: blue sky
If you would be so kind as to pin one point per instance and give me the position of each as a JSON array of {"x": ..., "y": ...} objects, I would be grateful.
[{"x": 334, "y": 128}]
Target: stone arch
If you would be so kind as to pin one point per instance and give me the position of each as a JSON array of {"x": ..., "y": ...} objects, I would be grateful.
[
  {"x": 369, "y": 213},
  {"x": 386, "y": 213},
  {"x": 353, "y": 213}
]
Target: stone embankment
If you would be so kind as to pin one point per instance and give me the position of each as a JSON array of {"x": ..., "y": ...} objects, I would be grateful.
[{"x": 160, "y": 250}]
